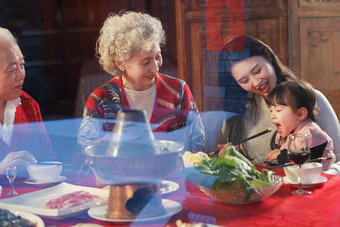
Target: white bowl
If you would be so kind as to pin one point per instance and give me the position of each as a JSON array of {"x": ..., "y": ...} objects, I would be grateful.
[
  {"x": 309, "y": 172},
  {"x": 44, "y": 173}
]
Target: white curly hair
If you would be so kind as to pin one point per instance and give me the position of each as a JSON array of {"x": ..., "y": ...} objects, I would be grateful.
[{"x": 125, "y": 34}]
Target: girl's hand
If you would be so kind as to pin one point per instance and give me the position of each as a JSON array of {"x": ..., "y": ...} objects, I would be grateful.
[{"x": 273, "y": 155}]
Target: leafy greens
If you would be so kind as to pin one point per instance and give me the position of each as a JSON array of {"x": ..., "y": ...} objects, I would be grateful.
[{"x": 232, "y": 172}]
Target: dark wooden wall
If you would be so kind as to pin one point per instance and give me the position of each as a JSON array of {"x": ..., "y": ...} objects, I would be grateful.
[
  {"x": 303, "y": 33},
  {"x": 200, "y": 42},
  {"x": 57, "y": 38}
]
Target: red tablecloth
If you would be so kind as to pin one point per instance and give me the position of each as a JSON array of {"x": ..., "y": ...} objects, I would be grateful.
[{"x": 321, "y": 208}]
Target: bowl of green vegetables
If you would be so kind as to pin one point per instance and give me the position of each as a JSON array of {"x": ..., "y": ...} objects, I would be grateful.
[{"x": 231, "y": 179}]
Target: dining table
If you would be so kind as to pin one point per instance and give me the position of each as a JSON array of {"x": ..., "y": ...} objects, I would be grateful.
[{"x": 320, "y": 208}]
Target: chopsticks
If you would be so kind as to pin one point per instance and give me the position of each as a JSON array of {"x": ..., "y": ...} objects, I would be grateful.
[
  {"x": 291, "y": 164},
  {"x": 249, "y": 138}
]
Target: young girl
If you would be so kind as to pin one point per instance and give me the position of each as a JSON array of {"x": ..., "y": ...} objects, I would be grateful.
[{"x": 291, "y": 105}]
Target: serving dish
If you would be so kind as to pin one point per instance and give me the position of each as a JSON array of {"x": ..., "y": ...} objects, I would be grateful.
[
  {"x": 34, "y": 202},
  {"x": 171, "y": 208},
  {"x": 237, "y": 196},
  {"x": 30, "y": 217}
]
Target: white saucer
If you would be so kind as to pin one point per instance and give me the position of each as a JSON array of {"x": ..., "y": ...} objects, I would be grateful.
[
  {"x": 171, "y": 208},
  {"x": 33, "y": 182},
  {"x": 319, "y": 180},
  {"x": 167, "y": 187}
]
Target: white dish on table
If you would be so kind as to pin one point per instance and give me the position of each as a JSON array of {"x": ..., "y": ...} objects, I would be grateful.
[
  {"x": 30, "y": 217},
  {"x": 45, "y": 183},
  {"x": 167, "y": 187},
  {"x": 171, "y": 208},
  {"x": 34, "y": 202},
  {"x": 306, "y": 184}
]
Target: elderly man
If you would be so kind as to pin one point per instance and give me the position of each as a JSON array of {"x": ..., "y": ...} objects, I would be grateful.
[{"x": 20, "y": 144}]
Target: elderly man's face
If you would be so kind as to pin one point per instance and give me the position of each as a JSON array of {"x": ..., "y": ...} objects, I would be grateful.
[{"x": 12, "y": 71}]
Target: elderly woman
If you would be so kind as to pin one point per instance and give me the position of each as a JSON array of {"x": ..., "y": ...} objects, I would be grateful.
[
  {"x": 129, "y": 48},
  {"x": 20, "y": 144}
]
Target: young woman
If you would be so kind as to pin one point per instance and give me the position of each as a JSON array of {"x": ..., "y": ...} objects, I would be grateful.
[
  {"x": 129, "y": 48},
  {"x": 292, "y": 106},
  {"x": 258, "y": 70}
]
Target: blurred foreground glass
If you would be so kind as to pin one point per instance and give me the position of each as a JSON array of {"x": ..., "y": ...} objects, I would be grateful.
[{"x": 11, "y": 173}]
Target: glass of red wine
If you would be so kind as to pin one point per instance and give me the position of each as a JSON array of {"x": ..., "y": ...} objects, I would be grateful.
[{"x": 298, "y": 154}]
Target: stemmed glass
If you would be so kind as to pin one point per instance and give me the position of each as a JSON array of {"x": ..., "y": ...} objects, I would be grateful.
[
  {"x": 11, "y": 173},
  {"x": 298, "y": 154}
]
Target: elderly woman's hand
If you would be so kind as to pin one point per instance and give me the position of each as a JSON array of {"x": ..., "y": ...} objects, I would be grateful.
[
  {"x": 17, "y": 158},
  {"x": 105, "y": 138}
]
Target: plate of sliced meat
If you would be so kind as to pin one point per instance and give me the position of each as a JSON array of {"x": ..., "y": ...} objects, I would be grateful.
[{"x": 58, "y": 202}]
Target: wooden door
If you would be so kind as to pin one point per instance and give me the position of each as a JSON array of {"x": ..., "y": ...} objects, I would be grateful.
[{"x": 315, "y": 46}]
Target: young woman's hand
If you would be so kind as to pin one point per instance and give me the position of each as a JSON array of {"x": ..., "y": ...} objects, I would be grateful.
[{"x": 223, "y": 147}]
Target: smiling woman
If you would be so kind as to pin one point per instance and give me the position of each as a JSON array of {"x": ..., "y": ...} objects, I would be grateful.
[{"x": 129, "y": 48}]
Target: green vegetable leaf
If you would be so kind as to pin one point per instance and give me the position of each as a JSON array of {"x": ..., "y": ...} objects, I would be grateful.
[{"x": 231, "y": 151}]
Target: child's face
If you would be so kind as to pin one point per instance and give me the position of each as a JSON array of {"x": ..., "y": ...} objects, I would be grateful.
[
  {"x": 140, "y": 70},
  {"x": 284, "y": 118}
]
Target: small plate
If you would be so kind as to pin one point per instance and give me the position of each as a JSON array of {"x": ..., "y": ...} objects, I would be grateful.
[
  {"x": 319, "y": 180},
  {"x": 33, "y": 182},
  {"x": 167, "y": 187},
  {"x": 171, "y": 208},
  {"x": 30, "y": 217}
]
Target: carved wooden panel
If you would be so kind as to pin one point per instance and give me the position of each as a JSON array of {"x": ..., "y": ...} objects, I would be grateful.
[{"x": 315, "y": 46}]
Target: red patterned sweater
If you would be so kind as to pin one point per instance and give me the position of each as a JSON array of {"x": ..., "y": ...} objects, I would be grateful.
[
  {"x": 29, "y": 132},
  {"x": 174, "y": 109}
]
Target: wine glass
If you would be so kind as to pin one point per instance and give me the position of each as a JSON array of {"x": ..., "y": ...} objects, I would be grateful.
[
  {"x": 298, "y": 154},
  {"x": 11, "y": 173}
]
